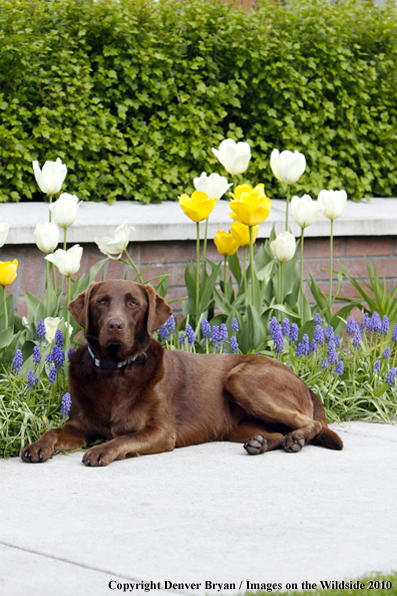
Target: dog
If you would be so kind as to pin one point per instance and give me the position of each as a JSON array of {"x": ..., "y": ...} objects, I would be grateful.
[{"x": 127, "y": 389}]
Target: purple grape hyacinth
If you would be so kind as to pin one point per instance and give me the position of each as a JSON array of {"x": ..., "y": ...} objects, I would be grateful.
[
  {"x": 386, "y": 353},
  {"x": 40, "y": 330},
  {"x": 376, "y": 368},
  {"x": 205, "y": 329},
  {"x": 18, "y": 361},
  {"x": 293, "y": 334},
  {"x": 339, "y": 368},
  {"x": 65, "y": 407},
  {"x": 32, "y": 381},
  {"x": 190, "y": 334},
  {"x": 36, "y": 355},
  {"x": 235, "y": 327},
  {"x": 59, "y": 338},
  {"x": 286, "y": 327},
  {"x": 52, "y": 376},
  {"x": 391, "y": 376},
  {"x": 233, "y": 345}
]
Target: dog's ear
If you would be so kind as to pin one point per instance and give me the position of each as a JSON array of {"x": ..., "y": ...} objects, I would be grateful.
[
  {"x": 158, "y": 310},
  {"x": 79, "y": 307}
]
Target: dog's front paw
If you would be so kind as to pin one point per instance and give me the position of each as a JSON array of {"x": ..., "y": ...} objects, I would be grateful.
[
  {"x": 294, "y": 441},
  {"x": 100, "y": 455},
  {"x": 36, "y": 452},
  {"x": 256, "y": 445}
]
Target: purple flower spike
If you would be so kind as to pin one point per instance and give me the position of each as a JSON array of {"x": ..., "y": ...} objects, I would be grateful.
[
  {"x": 377, "y": 366},
  {"x": 233, "y": 345},
  {"x": 385, "y": 325},
  {"x": 40, "y": 330},
  {"x": 357, "y": 340},
  {"x": 205, "y": 329},
  {"x": 329, "y": 333},
  {"x": 181, "y": 339},
  {"x": 339, "y": 368},
  {"x": 394, "y": 334},
  {"x": 391, "y": 376},
  {"x": 170, "y": 324},
  {"x": 386, "y": 353},
  {"x": 303, "y": 348},
  {"x": 351, "y": 326},
  {"x": 52, "y": 377},
  {"x": 191, "y": 336},
  {"x": 286, "y": 327},
  {"x": 319, "y": 335},
  {"x": 293, "y": 334},
  {"x": 36, "y": 355},
  {"x": 317, "y": 319},
  {"x": 324, "y": 364},
  {"x": 32, "y": 381},
  {"x": 376, "y": 323},
  {"x": 235, "y": 325},
  {"x": 18, "y": 361},
  {"x": 65, "y": 407},
  {"x": 59, "y": 338}
]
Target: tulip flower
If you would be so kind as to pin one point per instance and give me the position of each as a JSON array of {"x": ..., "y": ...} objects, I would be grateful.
[
  {"x": 226, "y": 246},
  {"x": 51, "y": 326},
  {"x": 283, "y": 247},
  {"x": 114, "y": 247},
  {"x": 213, "y": 185},
  {"x": 4, "y": 228},
  {"x": 288, "y": 167},
  {"x": 46, "y": 237},
  {"x": 8, "y": 274},
  {"x": 251, "y": 206},
  {"x": 64, "y": 210},
  {"x": 67, "y": 261},
  {"x": 197, "y": 207},
  {"x": 240, "y": 233},
  {"x": 334, "y": 202},
  {"x": 51, "y": 177},
  {"x": 225, "y": 243},
  {"x": 306, "y": 212},
  {"x": 234, "y": 157}
]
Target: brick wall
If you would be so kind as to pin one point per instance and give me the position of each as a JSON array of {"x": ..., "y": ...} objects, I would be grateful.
[{"x": 170, "y": 257}]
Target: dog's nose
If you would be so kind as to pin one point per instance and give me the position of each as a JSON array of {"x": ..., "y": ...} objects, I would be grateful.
[{"x": 115, "y": 325}]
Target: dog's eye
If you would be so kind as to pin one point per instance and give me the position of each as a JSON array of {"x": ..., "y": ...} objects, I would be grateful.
[
  {"x": 103, "y": 301},
  {"x": 132, "y": 303}
]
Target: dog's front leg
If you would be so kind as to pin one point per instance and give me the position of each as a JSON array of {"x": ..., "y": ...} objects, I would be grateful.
[
  {"x": 64, "y": 438},
  {"x": 150, "y": 440}
]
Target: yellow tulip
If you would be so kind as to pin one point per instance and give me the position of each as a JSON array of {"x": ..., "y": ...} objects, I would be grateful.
[
  {"x": 225, "y": 243},
  {"x": 240, "y": 233},
  {"x": 198, "y": 206},
  {"x": 8, "y": 272},
  {"x": 251, "y": 206}
]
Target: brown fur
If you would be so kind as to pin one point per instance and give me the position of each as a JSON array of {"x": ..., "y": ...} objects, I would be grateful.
[{"x": 171, "y": 398}]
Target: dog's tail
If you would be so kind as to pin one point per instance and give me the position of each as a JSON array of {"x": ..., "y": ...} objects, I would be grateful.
[{"x": 326, "y": 437}]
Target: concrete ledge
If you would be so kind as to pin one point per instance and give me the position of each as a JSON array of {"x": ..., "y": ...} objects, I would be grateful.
[{"x": 166, "y": 221}]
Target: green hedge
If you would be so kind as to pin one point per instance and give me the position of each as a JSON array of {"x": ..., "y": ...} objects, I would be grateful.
[{"x": 132, "y": 94}]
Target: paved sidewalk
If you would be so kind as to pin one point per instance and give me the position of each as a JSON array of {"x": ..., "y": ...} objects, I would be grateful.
[{"x": 208, "y": 513}]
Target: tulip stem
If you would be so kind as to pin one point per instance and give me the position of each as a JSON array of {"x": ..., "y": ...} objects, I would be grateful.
[
  {"x": 245, "y": 273},
  {"x": 197, "y": 269},
  {"x": 301, "y": 267},
  {"x": 280, "y": 282},
  {"x": 224, "y": 274},
  {"x": 50, "y": 200},
  {"x": 64, "y": 248},
  {"x": 286, "y": 213},
  {"x": 331, "y": 246},
  {"x": 5, "y": 307},
  {"x": 205, "y": 241},
  {"x": 251, "y": 233},
  {"x": 67, "y": 336},
  {"x": 48, "y": 273},
  {"x": 55, "y": 277},
  {"x": 134, "y": 266}
]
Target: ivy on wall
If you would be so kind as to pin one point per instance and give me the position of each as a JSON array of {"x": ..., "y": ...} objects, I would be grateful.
[{"x": 132, "y": 94}]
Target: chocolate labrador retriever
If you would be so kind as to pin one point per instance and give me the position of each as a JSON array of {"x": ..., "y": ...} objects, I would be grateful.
[{"x": 142, "y": 399}]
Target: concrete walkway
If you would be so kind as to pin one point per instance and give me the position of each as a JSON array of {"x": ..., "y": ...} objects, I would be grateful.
[{"x": 208, "y": 513}]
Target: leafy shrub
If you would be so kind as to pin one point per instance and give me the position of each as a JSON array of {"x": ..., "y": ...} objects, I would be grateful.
[{"x": 133, "y": 94}]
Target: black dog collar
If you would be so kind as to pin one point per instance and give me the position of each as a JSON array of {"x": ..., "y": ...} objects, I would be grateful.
[{"x": 108, "y": 365}]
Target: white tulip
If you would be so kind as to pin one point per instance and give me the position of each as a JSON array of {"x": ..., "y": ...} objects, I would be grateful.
[
  {"x": 51, "y": 326},
  {"x": 46, "y": 237},
  {"x": 117, "y": 245},
  {"x": 51, "y": 177},
  {"x": 213, "y": 185},
  {"x": 3, "y": 233},
  {"x": 67, "y": 261},
  {"x": 288, "y": 167},
  {"x": 234, "y": 157},
  {"x": 334, "y": 202},
  {"x": 305, "y": 210},
  {"x": 284, "y": 246},
  {"x": 64, "y": 210}
]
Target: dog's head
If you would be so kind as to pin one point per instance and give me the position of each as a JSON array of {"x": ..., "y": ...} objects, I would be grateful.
[{"x": 118, "y": 317}]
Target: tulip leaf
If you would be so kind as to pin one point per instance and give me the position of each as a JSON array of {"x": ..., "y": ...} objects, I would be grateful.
[{"x": 6, "y": 337}]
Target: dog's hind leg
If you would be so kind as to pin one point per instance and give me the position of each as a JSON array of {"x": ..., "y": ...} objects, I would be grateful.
[
  {"x": 273, "y": 394},
  {"x": 255, "y": 437}
]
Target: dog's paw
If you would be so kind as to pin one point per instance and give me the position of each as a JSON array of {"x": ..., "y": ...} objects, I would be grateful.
[
  {"x": 256, "y": 445},
  {"x": 294, "y": 441},
  {"x": 36, "y": 453},
  {"x": 99, "y": 455}
]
